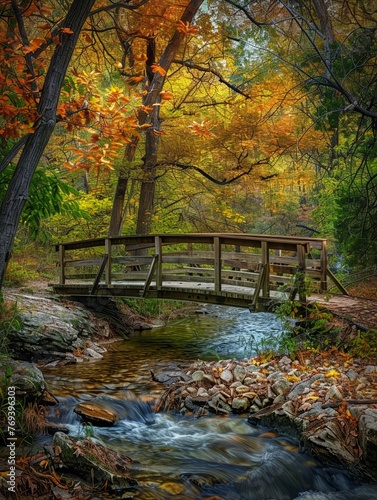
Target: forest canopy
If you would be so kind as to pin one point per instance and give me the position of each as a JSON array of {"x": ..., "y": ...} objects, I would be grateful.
[{"x": 131, "y": 117}]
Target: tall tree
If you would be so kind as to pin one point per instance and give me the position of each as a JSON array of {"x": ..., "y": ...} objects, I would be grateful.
[{"x": 45, "y": 97}]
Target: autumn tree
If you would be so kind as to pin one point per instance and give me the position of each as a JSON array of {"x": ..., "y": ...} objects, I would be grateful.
[{"x": 34, "y": 70}]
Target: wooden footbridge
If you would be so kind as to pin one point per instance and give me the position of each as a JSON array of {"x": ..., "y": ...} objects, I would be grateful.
[{"x": 244, "y": 270}]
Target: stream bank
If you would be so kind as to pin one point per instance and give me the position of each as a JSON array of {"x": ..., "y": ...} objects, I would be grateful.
[{"x": 294, "y": 390}]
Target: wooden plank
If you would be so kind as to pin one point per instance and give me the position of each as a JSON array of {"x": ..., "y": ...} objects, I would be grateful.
[
  {"x": 99, "y": 274},
  {"x": 337, "y": 282},
  {"x": 217, "y": 263},
  {"x": 83, "y": 262},
  {"x": 324, "y": 267},
  {"x": 108, "y": 245},
  {"x": 301, "y": 273},
  {"x": 149, "y": 278},
  {"x": 61, "y": 264},
  {"x": 259, "y": 286},
  {"x": 158, "y": 250},
  {"x": 131, "y": 260},
  {"x": 266, "y": 268}
]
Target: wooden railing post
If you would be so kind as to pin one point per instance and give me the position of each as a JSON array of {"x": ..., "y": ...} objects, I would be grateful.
[
  {"x": 217, "y": 263},
  {"x": 158, "y": 252},
  {"x": 300, "y": 280},
  {"x": 266, "y": 265},
  {"x": 61, "y": 265},
  {"x": 108, "y": 263},
  {"x": 323, "y": 266}
]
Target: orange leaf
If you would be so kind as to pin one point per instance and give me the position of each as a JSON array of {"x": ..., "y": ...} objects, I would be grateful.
[
  {"x": 166, "y": 96},
  {"x": 156, "y": 68},
  {"x": 88, "y": 38},
  {"x": 186, "y": 28},
  {"x": 136, "y": 79},
  {"x": 68, "y": 31}
]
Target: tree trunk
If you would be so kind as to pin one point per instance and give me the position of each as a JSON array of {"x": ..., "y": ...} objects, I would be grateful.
[
  {"x": 147, "y": 189},
  {"x": 148, "y": 183},
  {"x": 18, "y": 189}
]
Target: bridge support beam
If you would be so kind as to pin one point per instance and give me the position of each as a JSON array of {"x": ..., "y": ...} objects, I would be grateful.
[
  {"x": 158, "y": 256},
  {"x": 217, "y": 263},
  {"x": 266, "y": 267}
]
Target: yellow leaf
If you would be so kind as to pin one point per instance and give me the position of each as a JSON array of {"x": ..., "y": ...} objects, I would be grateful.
[{"x": 332, "y": 373}]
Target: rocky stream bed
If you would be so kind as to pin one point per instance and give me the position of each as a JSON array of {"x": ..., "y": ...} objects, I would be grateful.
[{"x": 327, "y": 400}]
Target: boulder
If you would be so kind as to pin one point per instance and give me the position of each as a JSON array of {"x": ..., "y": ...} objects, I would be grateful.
[
  {"x": 368, "y": 441},
  {"x": 25, "y": 377},
  {"x": 93, "y": 462},
  {"x": 106, "y": 410},
  {"x": 53, "y": 331}
]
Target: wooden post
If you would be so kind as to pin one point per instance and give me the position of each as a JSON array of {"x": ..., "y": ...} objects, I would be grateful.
[
  {"x": 217, "y": 263},
  {"x": 158, "y": 253},
  {"x": 324, "y": 266},
  {"x": 61, "y": 265},
  {"x": 301, "y": 273},
  {"x": 108, "y": 262},
  {"x": 266, "y": 264}
]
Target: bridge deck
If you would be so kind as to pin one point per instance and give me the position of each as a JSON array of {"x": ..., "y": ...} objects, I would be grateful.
[
  {"x": 230, "y": 295},
  {"x": 221, "y": 268}
]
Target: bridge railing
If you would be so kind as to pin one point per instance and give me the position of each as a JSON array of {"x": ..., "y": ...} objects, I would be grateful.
[{"x": 259, "y": 262}]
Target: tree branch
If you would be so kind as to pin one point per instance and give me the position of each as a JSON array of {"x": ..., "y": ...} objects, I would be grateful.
[
  {"x": 250, "y": 18},
  {"x": 12, "y": 153},
  {"x": 224, "y": 182},
  {"x": 191, "y": 65},
  {"x": 116, "y": 5}
]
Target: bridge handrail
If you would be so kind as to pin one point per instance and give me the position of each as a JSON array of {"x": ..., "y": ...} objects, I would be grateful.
[{"x": 300, "y": 246}]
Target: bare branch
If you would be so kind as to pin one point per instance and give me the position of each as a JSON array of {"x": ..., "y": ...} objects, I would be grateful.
[
  {"x": 124, "y": 5},
  {"x": 247, "y": 14},
  {"x": 191, "y": 65},
  {"x": 224, "y": 182}
]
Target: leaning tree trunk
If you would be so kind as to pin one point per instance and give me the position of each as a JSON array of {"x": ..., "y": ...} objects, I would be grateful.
[{"x": 18, "y": 189}]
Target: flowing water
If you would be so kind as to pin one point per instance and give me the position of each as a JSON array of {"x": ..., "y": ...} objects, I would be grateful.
[{"x": 187, "y": 458}]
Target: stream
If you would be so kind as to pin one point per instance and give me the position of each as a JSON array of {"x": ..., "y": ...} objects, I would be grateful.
[{"x": 189, "y": 458}]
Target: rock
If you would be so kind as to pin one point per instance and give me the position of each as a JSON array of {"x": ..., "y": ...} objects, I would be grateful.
[
  {"x": 239, "y": 373},
  {"x": 106, "y": 410},
  {"x": 91, "y": 353},
  {"x": 352, "y": 375},
  {"x": 370, "y": 369},
  {"x": 328, "y": 443},
  {"x": 25, "y": 377},
  {"x": 240, "y": 405},
  {"x": 285, "y": 363},
  {"x": 49, "y": 330},
  {"x": 226, "y": 376},
  {"x": 368, "y": 441},
  {"x": 197, "y": 375},
  {"x": 93, "y": 462},
  {"x": 334, "y": 393},
  {"x": 280, "y": 386},
  {"x": 300, "y": 387}
]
